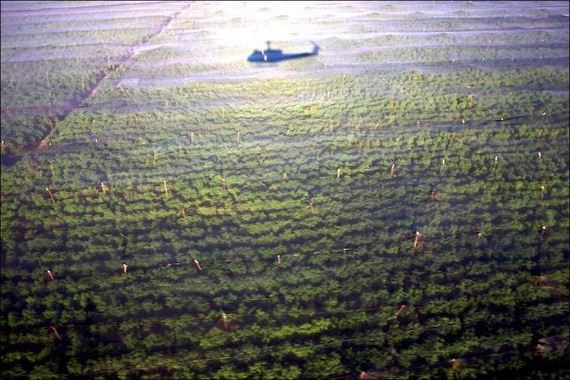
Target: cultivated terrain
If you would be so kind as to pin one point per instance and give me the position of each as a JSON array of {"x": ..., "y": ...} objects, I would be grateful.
[{"x": 397, "y": 205}]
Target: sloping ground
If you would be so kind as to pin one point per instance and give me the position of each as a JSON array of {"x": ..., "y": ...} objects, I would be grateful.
[
  {"x": 216, "y": 36},
  {"x": 397, "y": 205},
  {"x": 37, "y": 77}
]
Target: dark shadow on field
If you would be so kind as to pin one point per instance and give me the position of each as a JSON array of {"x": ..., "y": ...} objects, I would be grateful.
[{"x": 276, "y": 55}]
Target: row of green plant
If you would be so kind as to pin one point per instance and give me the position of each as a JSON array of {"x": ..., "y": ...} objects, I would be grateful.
[
  {"x": 42, "y": 87},
  {"x": 270, "y": 229},
  {"x": 96, "y": 249}
]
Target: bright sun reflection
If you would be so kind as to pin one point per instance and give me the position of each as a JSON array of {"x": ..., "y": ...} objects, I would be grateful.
[{"x": 247, "y": 25}]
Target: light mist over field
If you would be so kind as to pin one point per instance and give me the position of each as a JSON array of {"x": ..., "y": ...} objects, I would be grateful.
[{"x": 395, "y": 206}]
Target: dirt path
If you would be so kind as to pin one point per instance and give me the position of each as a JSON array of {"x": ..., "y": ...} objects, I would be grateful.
[
  {"x": 72, "y": 106},
  {"x": 126, "y": 60}
]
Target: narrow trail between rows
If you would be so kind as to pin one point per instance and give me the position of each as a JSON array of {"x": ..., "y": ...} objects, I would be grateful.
[{"x": 123, "y": 62}]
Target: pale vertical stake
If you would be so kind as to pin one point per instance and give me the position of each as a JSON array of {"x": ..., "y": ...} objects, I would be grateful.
[
  {"x": 53, "y": 329},
  {"x": 417, "y": 239},
  {"x": 285, "y": 177},
  {"x": 103, "y": 188},
  {"x": 197, "y": 263},
  {"x": 125, "y": 266},
  {"x": 50, "y": 275},
  {"x": 312, "y": 207},
  {"x": 432, "y": 195},
  {"x": 154, "y": 157},
  {"x": 454, "y": 365},
  {"x": 278, "y": 259},
  {"x": 192, "y": 137},
  {"x": 238, "y": 135},
  {"x": 225, "y": 320},
  {"x": 542, "y": 191},
  {"x": 2, "y": 145},
  {"x": 165, "y": 187},
  {"x": 338, "y": 173},
  {"x": 400, "y": 309},
  {"x": 50, "y": 195},
  {"x": 392, "y": 168},
  {"x": 224, "y": 184},
  {"x": 442, "y": 164}
]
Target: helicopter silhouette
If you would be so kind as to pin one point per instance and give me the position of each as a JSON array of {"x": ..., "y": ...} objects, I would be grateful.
[{"x": 276, "y": 55}]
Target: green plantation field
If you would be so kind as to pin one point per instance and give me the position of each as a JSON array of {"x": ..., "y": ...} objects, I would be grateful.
[{"x": 394, "y": 207}]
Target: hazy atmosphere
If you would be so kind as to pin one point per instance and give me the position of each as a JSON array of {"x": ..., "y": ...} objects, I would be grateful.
[{"x": 285, "y": 190}]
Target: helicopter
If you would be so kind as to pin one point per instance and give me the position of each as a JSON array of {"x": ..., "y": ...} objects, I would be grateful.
[{"x": 276, "y": 55}]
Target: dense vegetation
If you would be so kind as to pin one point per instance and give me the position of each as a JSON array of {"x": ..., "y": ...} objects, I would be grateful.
[{"x": 408, "y": 218}]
